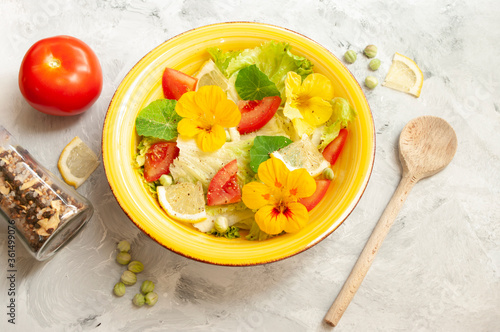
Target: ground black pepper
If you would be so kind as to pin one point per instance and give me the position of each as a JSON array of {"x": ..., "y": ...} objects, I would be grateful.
[{"x": 30, "y": 198}]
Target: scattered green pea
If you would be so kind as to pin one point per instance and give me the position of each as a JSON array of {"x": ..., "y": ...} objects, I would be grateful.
[
  {"x": 147, "y": 287},
  {"x": 123, "y": 258},
  {"x": 371, "y": 82},
  {"x": 151, "y": 298},
  {"x": 138, "y": 300},
  {"x": 370, "y": 51},
  {"x": 374, "y": 64},
  {"x": 123, "y": 246},
  {"x": 328, "y": 173},
  {"x": 128, "y": 278},
  {"x": 119, "y": 289},
  {"x": 350, "y": 56},
  {"x": 136, "y": 267}
]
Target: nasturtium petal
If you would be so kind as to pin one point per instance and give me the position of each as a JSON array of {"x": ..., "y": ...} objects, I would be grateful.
[
  {"x": 273, "y": 172},
  {"x": 158, "y": 120},
  {"x": 189, "y": 127},
  {"x": 318, "y": 85},
  {"x": 316, "y": 111},
  {"x": 227, "y": 114},
  {"x": 256, "y": 195},
  {"x": 297, "y": 217},
  {"x": 292, "y": 83},
  {"x": 208, "y": 97},
  {"x": 270, "y": 220},
  {"x": 211, "y": 140},
  {"x": 187, "y": 106},
  {"x": 300, "y": 183}
]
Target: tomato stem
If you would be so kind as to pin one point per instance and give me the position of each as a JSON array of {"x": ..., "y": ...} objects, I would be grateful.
[{"x": 54, "y": 63}]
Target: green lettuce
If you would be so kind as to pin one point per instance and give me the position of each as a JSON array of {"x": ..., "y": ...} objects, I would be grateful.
[
  {"x": 221, "y": 58},
  {"x": 139, "y": 160},
  {"x": 231, "y": 233},
  {"x": 274, "y": 59},
  {"x": 343, "y": 114},
  {"x": 342, "y": 111}
]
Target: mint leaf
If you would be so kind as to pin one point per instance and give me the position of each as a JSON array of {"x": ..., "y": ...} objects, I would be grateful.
[
  {"x": 252, "y": 84},
  {"x": 158, "y": 120},
  {"x": 263, "y": 146}
]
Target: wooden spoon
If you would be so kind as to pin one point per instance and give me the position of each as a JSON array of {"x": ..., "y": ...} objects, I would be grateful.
[{"x": 426, "y": 145}]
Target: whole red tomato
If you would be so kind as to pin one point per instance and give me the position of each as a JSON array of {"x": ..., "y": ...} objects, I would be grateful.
[{"x": 60, "y": 76}]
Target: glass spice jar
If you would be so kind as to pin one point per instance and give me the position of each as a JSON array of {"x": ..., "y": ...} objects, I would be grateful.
[{"x": 45, "y": 211}]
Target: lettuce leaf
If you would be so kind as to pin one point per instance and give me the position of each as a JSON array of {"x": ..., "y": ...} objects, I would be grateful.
[
  {"x": 231, "y": 233},
  {"x": 343, "y": 114},
  {"x": 274, "y": 59},
  {"x": 342, "y": 111},
  {"x": 328, "y": 134},
  {"x": 140, "y": 158},
  {"x": 222, "y": 59}
]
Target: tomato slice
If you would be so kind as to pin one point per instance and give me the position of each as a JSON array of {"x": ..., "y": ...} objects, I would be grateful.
[
  {"x": 224, "y": 188},
  {"x": 256, "y": 113},
  {"x": 332, "y": 150},
  {"x": 176, "y": 83},
  {"x": 313, "y": 200},
  {"x": 158, "y": 160}
]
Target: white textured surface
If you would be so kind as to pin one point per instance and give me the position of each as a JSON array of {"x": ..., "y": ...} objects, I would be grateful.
[{"x": 439, "y": 267}]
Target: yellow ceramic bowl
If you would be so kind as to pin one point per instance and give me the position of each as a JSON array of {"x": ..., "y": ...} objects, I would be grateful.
[{"x": 187, "y": 52}]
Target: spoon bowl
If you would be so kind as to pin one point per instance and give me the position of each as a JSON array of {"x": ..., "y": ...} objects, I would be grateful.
[{"x": 426, "y": 145}]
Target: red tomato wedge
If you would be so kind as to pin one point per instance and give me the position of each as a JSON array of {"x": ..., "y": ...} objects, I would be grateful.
[
  {"x": 158, "y": 160},
  {"x": 224, "y": 188},
  {"x": 256, "y": 113},
  {"x": 321, "y": 189},
  {"x": 332, "y": 150},
  {"x": 176, "y": 83}
]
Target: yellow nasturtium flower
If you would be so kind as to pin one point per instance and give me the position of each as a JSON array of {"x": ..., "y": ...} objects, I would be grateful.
[
  {"x": 206, "y": 113},
  {"x": 276, "y": 199},
  {"x": 308, "y": 102}
]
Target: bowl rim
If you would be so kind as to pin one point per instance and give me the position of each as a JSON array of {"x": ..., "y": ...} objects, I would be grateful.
[{"x": 327, "y": 233}]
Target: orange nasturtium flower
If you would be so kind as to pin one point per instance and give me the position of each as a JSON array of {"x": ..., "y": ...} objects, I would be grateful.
[
  {"x": 308, "y": 102},
  {"x": 206, "y": 113},
  {"x": 276, "y": 199}
]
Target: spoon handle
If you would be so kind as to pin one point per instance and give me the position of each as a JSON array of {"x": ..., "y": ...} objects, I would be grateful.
[{"x": 365, "y": 260}]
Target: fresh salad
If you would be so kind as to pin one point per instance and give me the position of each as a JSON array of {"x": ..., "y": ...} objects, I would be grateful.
[{"x": 245, "y": 147}]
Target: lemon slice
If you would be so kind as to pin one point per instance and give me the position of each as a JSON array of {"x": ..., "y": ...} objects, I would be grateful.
[
  {"x": 404, "y": 75},
  {"x": 76, "y": 162},
  {"x": 302, "y": 154},
  {"x": 183, "y": 201},
  {"x": 210, "y": 74}
]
